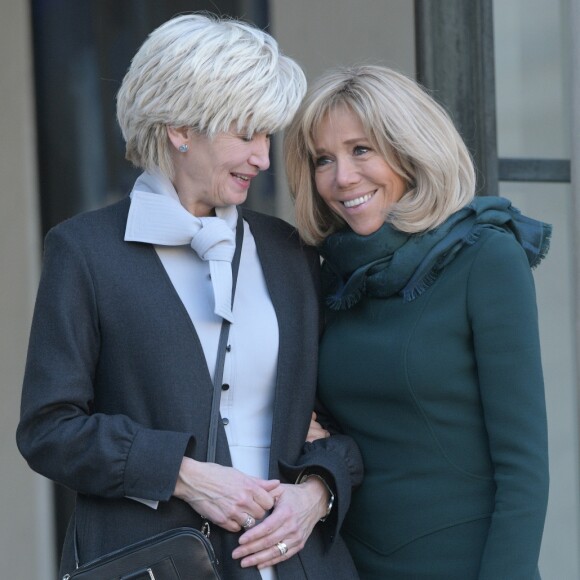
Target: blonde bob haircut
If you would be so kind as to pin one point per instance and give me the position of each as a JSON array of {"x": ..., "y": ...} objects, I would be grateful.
[
  {"x": 209, "y": 74},
  {"x": 414, "y": 135}
]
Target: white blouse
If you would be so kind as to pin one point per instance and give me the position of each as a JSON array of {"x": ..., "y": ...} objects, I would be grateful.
[{"x": 250, "y": 369}]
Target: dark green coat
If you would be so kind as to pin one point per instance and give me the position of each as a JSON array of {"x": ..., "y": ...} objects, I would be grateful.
[{"x": 445, "y": 397}]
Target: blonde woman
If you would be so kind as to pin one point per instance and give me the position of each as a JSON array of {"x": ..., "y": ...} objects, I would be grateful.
[{"x": 430, "y": 357}]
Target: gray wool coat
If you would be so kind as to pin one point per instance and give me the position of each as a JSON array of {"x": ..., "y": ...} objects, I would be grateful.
[{"x": 116, "y": 390}]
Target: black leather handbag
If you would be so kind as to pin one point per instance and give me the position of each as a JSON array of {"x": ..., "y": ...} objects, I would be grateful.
[{"x": 182, "y": 553}]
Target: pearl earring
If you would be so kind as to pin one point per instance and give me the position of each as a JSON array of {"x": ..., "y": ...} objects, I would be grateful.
[{"x": 184, "y": 148}]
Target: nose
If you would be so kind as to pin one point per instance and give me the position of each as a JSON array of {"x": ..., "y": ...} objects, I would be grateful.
[
  {"x": 260, "y": 156},
  {"x": 346, "y": 174}
]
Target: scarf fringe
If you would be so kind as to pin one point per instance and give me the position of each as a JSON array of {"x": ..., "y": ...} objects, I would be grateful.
[
  {"x": 414, "y": 289},
  {"x": 424, "y": 284},
  {"x": 336, "y": 302},
  {"x": 544, "y": 246}
]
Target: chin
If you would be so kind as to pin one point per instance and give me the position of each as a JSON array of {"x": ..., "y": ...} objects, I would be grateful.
[
  {"x": 235, "y": 200},
  {"x": 365, "y": 230}
]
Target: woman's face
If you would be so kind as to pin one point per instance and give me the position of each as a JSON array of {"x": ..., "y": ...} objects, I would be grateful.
[
  {"x": 217, "y": 172},
  {"x": 352, "y": 178}
]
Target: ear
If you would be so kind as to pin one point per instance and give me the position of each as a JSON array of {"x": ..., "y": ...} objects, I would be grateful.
[{"x": 178, "y": 136}]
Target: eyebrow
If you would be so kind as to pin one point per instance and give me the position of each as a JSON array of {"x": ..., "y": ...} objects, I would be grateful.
[{"x": 347, "y": 142}]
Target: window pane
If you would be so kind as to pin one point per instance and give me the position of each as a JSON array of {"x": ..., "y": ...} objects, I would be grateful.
[{"x": 532, "y": 59}]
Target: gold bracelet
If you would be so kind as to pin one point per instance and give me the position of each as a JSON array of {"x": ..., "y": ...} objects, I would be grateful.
[{"x": 330, "y": 494}]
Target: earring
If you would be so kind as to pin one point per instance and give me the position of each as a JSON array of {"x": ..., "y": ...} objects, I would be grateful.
[{"x": 183, "y": 148}]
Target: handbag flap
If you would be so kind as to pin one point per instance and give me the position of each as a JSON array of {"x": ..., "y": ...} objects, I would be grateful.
[{"x": 179, "y": 554}]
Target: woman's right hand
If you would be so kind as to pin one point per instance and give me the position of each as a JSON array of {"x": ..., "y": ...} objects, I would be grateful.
[{"x": 224, "y": 495}]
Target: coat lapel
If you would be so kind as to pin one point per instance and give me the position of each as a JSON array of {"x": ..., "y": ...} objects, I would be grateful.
[{"x": 276, "y": 252}]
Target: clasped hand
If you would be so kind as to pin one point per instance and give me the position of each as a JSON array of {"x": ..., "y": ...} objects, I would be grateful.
[
  {"x": 226, "y": 497},
  {"x": 285, "y": 514}
]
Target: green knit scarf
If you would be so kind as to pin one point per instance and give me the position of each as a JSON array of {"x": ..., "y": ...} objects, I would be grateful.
[{"x": 390, "y": 262}]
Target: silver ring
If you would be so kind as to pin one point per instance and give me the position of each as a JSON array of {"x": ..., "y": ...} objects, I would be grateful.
[
  {"x": 282, "y": 547},
  {"x": 248, "y": 522}
]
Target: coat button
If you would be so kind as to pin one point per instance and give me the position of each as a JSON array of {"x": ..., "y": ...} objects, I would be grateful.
[
  {"x": 225, "y": 387},
  {"x": 225, "y": 420}
]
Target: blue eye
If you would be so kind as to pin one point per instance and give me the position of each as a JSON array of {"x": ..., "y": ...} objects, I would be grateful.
[
  {"x": 361, "y": 150},
  {"x": 320, "y": 161}
]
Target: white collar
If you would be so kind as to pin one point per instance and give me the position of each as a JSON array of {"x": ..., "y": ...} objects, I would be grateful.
[{"x": 156, "y": 216}]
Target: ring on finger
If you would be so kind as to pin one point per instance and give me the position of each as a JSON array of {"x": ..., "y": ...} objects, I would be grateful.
[
  {"x": 282, "y": 547},
  {"x": 248, "y": 522}
]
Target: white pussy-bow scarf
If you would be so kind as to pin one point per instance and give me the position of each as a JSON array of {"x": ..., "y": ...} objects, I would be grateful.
[{"x": 156, "y": 216}]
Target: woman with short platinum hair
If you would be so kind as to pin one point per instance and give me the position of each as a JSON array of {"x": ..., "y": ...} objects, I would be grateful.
[{"x": 133, "y": 297}]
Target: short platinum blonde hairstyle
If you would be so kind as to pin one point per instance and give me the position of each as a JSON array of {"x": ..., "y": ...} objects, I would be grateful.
[
  {"x": 413, "y": 133},
  {"x": 209, "y": 74}
]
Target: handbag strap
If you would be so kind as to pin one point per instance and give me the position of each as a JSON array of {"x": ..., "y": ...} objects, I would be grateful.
[{"x": 222, "y": 348}]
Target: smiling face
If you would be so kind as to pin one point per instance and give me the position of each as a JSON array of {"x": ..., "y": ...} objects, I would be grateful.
[
  {"x": 352, "y": 177},
  {"x": 216, "y": 172}
]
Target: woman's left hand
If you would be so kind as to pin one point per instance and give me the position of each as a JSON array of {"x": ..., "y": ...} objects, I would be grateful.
[
  {"x": 316, "y": 430},
  {"x": 297, "y": 509}
]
